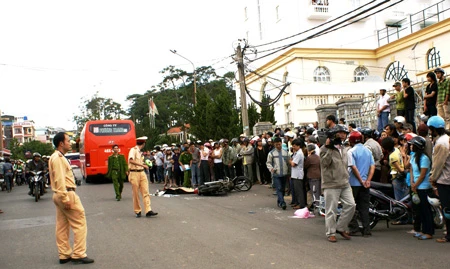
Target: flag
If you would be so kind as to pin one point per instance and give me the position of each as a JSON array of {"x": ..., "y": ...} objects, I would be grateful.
[{"x": 152, "y": 107}]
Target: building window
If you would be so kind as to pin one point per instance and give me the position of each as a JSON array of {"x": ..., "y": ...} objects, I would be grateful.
[
  {"x": 434, "y": 59},
  {"x": 395, "y": 71},
  {"x": 322, "y": 74},
  {"x": 360, "y": 73}
]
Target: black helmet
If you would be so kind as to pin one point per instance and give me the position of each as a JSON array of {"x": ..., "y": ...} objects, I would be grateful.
[
  {"x": 341, "y": 128},
  {"x": 367, "y": 132},
  {"x": 310, "y": 131},
  {"x": 439, "y": 70},
  {"x": 418, "y": 141},
  {"x": 158, "y": 148}
]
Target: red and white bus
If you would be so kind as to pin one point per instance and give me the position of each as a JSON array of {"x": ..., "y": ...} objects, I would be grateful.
[{"x": 96, "y": 141}]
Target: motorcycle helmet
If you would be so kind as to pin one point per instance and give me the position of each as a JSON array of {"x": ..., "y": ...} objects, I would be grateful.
[
  {"x": 423, "y": 117},
  {"x": 207, "y": 144},
  {"x": 436, "y": 122},
  {"x": 440, "y": 70},
  {"x": 400, "y": 119},
  {"x": 341, "y": 128},
  {"x": 409, "y": 136},
  {"x": 418, "y": 141},
  {"x": 234, "y": 140},
  {"x": 36, "y": 154},
  {"x": 367, "y": 132},
  {"x": 158, "y": 148},
  {"x": 225, "y": 141},
  {"x": 415, "y": 198},
  {"x": 355, "y": 137},
  {"x": 433, "y": 201}
]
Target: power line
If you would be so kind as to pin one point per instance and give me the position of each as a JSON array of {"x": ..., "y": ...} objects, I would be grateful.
[{"x": 329, "y": 29}]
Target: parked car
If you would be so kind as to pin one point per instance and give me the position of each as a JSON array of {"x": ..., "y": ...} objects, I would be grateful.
[{"x": 74, "y": 159}]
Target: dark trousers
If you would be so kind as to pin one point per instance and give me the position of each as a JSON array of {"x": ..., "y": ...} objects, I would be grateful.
[
  {"x": 280, "y": 186},
  {"x": 178, "y": 176},
  {"x": 229, "y": 171},
  {"x": 264, "y": 173},
  {"x": 362, "y": 200},
  {"x": 409, "y": 117},
  {"x": 160, "y": 173},
  {"x": 376, "y": 175},
  {"x": 239, "y": 169},
  {"x": 218, "y": 171},
  {"x": 400, "y": 112},
  {"x": 431, "y": 110},
  {"x": 204, "y": 173},
  {"x": 426, "y": 216},
  {"x": 153, "y": 174},
  {"x": 444, "y": 196},
  {"x": 299, "y": 192}
]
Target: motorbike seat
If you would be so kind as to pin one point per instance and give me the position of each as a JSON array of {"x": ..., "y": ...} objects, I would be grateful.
[{"x": 380, "y": 186}]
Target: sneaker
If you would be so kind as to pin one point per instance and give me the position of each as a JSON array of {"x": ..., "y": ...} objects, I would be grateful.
[
  {"x": 138, "y": 215},
  {"x": 84, "y": 260}
]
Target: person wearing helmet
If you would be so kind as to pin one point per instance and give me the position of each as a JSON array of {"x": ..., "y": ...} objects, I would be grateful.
[
  {"x": 399, "y": 100},
  {"x": 420, "y": 184},
  {"x": 383, "y": 110},
  {"x": 159, "y": 161},
  {"x": 278, "y": 163},
  {"x": 375, "y": 148},
  {"x": 399, "y": 121},
  {"x": 36, "y": 164},
  {"x": 361, "y": 169},
  {"x": 247, "y": 152},
  {"x": 443, "y": 96},
  {"x": 335, "y": 184},
  {"x": 440, "y": 167},
  {"x": 429, "y": 104},
  {"x": 410, "y": 102},
  {"x": 228, "y": 159}
]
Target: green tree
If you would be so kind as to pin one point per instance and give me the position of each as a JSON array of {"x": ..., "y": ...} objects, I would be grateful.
[
  {"x": 97, "y": 108},
  {"x": 18, "y": 151},
  {"x": 267, "y": 112},
  {"x": 253, "y": 116}
]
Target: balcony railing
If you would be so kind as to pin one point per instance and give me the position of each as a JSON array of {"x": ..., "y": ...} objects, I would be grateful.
[
  {"x": 395, "y": 30},
  {"x": 319, "y": 12}
]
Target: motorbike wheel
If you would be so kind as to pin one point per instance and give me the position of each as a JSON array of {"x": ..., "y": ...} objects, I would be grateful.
[
  {"x": 243, "y": 183},
  {"x": 36, "y": 193},
  {"x": 438, "y": 217},
  {"x": 373, "y": 219}
]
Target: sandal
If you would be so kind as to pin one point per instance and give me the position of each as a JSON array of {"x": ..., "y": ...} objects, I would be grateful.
[
  {"x": 425, "y": 237},
  {"x": 442, "y": 240}
]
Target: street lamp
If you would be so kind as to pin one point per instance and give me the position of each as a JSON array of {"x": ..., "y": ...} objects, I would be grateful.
[{"x": 195, "y": 74}]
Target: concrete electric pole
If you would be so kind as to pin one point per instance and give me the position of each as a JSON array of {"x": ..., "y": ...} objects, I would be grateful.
[{"x": 240, "y": 59}]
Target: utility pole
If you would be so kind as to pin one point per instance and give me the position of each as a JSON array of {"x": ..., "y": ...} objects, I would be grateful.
[
  {"x": 244, "y": 112},
  {"x": 195, "y": 74}
]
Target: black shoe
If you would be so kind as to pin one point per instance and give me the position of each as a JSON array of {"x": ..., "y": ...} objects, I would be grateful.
[
  {"x": 151, "y": 213},
  {"x": 63, "y": 261},
  {"x": 283, "y": 205},
  {"x": 138, "y": 215},
  {"x": 83, "y": 260},
  {"x": 30, "y": 192}
]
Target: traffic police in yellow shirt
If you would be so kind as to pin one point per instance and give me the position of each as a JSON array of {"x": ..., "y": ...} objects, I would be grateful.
[
  {"x": 69, "y": 210},
  {"x": 138, "y": 178}
]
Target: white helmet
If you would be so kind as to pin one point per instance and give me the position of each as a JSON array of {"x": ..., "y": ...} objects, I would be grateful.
[
  {"x": 433, "y": 201},
  {"x": 400, "y": 119},
  {"x": 423, "y": 117}
]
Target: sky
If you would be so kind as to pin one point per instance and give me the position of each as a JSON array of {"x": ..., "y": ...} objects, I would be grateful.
[{"x": 55, "y": 53}]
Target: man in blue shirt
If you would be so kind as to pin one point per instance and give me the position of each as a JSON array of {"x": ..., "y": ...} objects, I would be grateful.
[{"x": 361, "y": 167}]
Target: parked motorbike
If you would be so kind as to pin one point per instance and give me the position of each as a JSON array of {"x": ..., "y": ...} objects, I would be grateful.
[
  {"x": 223, "y": 186},
  {"x": 37, "y": 179},
  {"x": 384, "y": 207}
]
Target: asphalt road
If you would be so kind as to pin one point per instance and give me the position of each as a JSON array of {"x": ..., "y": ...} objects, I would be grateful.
[{"x": 240, "y": 230}]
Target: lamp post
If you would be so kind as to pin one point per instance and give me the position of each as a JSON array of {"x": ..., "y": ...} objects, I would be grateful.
[{"x": 195, "y": 74}]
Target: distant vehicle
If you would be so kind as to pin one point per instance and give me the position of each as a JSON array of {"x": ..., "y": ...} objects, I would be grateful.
[
  {"x": 96, "y": 141},
  {"x": 74, "y": 159}
]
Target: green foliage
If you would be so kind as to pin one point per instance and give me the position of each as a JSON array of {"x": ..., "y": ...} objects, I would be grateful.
[
  {"x": 253, "y": 116},
  {"x": 267, "y": 112},
  {"x": 18, "y": 151},
  {"x": 97, "y": 108}
]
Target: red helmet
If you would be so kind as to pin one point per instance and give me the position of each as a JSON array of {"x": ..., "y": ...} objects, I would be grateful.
[{"x": 355, "y": 137}]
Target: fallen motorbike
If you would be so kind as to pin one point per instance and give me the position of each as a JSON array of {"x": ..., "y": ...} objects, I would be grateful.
[
  {"x": 224, "y": 186},
  {"x": 384, "y": 207},
  {"x": 37, "y": 179}
]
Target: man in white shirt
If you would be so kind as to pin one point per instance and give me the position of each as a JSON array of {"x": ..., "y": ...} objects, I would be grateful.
[{"x": 383, "y": 110}]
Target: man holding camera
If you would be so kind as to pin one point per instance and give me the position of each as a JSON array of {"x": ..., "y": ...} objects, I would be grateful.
[{"x": 335, "y": 183}]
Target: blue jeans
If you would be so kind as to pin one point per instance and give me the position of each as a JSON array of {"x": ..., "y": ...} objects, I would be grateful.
[
  {"x": 195, "y": 173},
  {"x": 400, "y": 188},
  {"x": 383, "y": 120},
  {"x": 160, "y": 173},
  {"x": 280, "y": 186}
]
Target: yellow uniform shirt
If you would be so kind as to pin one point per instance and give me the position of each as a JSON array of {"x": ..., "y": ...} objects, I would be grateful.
[
  {"x": 61, "y": 175},
  {"x": 135, "y": 155}
]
